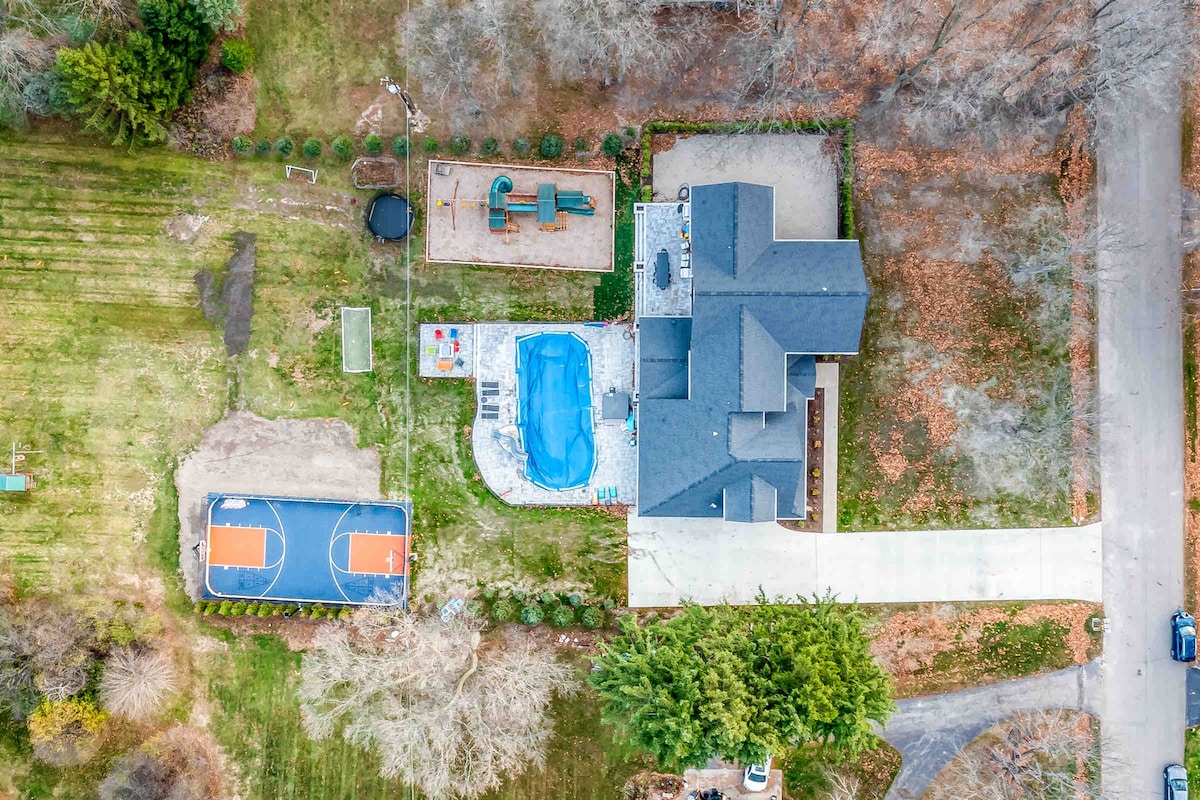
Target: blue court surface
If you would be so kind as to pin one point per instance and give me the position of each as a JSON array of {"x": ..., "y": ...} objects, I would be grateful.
[
  {"x": 305, "y": 551},
  {"x": 554, "y": 409}
]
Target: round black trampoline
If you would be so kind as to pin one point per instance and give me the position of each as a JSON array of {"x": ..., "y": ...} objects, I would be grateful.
[{"x": 389, "y": 217}]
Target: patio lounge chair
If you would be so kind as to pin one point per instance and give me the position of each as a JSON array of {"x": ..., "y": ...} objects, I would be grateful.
[{"x": 612, "y": 493}]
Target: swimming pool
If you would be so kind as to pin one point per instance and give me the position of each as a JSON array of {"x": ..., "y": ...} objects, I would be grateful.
[{"x": 554, "y": 409}]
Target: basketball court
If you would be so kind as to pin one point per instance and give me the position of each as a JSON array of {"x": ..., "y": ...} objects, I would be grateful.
[{"x": 305, "y": 551}]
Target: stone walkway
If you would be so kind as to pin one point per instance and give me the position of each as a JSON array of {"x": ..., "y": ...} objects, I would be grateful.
[{"x": 710, "y": 561}]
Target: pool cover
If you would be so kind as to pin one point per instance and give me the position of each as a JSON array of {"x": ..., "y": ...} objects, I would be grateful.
[{"x": 554, "y": 409}]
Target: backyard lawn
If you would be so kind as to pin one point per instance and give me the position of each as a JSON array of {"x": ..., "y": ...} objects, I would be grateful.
[{"x": 119, "y": 373}]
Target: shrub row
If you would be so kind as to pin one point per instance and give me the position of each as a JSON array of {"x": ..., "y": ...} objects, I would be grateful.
[
  {"x": 230, "y": 608},
  {"x": 560, "y": 610},
  {"x": 549, "y": 146},
  {"x": 342, "y": 145},
  {"x": 845, "y": 126}
]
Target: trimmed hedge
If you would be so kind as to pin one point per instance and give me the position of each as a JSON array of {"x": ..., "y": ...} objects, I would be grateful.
[
  {"x": 229, "y": 608},
  {"x": 562, "y": 616},
  {"x": 591, "y": 617},
  {"x": 532, "y": 614}
]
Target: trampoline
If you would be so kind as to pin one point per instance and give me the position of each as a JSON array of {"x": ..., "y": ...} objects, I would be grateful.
[
  {"x": 554, "y": 409},
  {"x": 390, "y": 217}
]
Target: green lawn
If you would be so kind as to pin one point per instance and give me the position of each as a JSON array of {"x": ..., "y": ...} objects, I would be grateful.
[
  {"x": 116, "y": 373},
  {"x": 256, "y": 715}
]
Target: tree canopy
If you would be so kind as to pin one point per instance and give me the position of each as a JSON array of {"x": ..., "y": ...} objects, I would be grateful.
[{"x": 740, "y": 683}]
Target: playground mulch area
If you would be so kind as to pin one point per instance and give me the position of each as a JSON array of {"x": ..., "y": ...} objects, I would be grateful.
[{"x": 457, "y": 230}]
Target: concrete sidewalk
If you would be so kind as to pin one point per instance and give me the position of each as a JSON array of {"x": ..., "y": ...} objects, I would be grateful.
[{"x": 710, "y": 561}]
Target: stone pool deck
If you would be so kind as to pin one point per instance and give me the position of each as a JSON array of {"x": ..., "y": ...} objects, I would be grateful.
[{"x": 612, "y": 352}]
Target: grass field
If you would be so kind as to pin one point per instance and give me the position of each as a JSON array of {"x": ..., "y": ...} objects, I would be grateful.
[
  {"x": 117, "y": 372},
  {"x": 251, "y": 695}
]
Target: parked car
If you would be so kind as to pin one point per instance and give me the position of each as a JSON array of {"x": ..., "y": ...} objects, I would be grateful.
[
  {"x": 755, "y": 778},
  {"x": 1174, "y": 782},
  {"x": 1183, "y": 636}
]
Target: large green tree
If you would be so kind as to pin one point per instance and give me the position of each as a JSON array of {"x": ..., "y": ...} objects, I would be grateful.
[{"x": 743, "y": 682}]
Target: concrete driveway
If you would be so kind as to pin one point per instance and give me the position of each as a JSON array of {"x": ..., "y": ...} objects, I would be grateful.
[
  {"x": 1141, "y": 438},
  {"x": 711, "y": 561}
]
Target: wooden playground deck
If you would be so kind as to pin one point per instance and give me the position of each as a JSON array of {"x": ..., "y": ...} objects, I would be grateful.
[{"x": 457, "y": 224}]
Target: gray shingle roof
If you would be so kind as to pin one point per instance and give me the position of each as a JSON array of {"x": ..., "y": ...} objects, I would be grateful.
[{"x": 735, "y": 446}]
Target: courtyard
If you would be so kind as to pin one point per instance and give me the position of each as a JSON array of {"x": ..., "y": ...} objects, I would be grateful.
[{"x": 801, "y": 166}]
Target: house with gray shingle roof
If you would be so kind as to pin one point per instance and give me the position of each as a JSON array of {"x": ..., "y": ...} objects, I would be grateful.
[{"x": 723, "y": 391}]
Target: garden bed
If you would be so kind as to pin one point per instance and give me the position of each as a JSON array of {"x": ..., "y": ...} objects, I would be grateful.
[{"x": 375, "y": 173}]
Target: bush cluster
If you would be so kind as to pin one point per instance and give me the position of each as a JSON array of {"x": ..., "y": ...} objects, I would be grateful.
[
  {"x": 491, "y": 146},
  {"x": 431, "y": 144},
  {"x": 228, "y": 608},
  {"x": 312, "y": 147},
  {"x": 237, "y": 55},
  {"x": 242, "y": 145},
  {"x": 460, "y": 144},
  {"x": 613, "y": 145},
  {"x": 284, "y": 146},
  {"x": 343, "y": 145},
  {"x": 520, "y": 146},
  {"x": 560, "y": 610},
  {"x": 551, "y": 146},
  {"x": 400, "y": 146},
  {"x": 373, "y": 144},
  {"x": 128, "y": 86}
]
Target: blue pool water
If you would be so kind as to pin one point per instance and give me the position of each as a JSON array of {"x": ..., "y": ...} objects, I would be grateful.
[{"x": 554, "y": 409}]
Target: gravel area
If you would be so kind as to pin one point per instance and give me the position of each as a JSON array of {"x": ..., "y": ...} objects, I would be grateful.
[{"x": 247, "y": 454}]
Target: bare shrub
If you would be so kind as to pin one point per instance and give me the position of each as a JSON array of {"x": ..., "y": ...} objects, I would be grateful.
[
  {"x": 1051, "y": 754},
  {"x": 180, "y": 764},
  {"x": 442, "y": 709},
  {"x": 18, "y": 697},
  {"x": 136, "y": 682},
  {"x": 63, "y": 646}
]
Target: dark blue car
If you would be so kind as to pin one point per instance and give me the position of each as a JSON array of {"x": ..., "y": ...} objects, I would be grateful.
[{"x": 1183, "y": 636}]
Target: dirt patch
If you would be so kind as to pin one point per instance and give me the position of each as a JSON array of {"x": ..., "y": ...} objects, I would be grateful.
[
  {"x": 185, "y": 227},
  {"x": 247, "y": 454},
  {"x": 237, "y": 293},
  {"x": 939, "y": 647}
]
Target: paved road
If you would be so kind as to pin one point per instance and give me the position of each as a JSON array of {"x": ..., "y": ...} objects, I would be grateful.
[
  {"x": 929, "y": 731},
  {"x": 709, "y": 561},
  {"x": 1141, "y": 447}
]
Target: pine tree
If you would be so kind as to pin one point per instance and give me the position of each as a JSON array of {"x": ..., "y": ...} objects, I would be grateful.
[{"x": 740, "y": 683}]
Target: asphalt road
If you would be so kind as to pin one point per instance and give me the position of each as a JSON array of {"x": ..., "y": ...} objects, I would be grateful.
[
  {"x": 1141, "y": 445},
  {"x": 929, "y": 731}
]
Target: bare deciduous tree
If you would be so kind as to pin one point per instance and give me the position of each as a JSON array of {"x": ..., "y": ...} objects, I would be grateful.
[
  {"x": 136, "y": 682},
  {"x": 441, "y": 708},
  {"x": 604, "y": 36},
  {"x": 180, "y": 764}
]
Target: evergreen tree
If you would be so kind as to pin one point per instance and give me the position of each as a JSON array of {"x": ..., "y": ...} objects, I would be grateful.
[{"x": 740, "y": 683}]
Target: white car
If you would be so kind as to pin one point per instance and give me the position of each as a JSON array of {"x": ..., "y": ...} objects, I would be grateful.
[{"x": 755, "y": 779}]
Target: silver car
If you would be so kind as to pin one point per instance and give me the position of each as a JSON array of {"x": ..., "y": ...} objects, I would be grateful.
[{"x": 1174, "y": 782}]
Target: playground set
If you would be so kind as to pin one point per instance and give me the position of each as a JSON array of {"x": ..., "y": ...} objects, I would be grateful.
[
  {"x": 485, "y": 213},
  {"x": 551, "y": 206}
]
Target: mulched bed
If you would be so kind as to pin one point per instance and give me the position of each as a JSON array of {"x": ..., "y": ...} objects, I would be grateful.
[
  {"x": 815, "y": 461},
  {"x": 375, "y": 173}
]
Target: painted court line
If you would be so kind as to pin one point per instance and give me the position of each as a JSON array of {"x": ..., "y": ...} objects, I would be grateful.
[
  {"x": 235, "y": 546},
  {"x": 377, "y": 554}
]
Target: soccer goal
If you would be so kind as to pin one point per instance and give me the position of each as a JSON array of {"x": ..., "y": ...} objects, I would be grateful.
[
  {"x": 302, "y": 172},
  {"x": 356, "y": 340}
]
